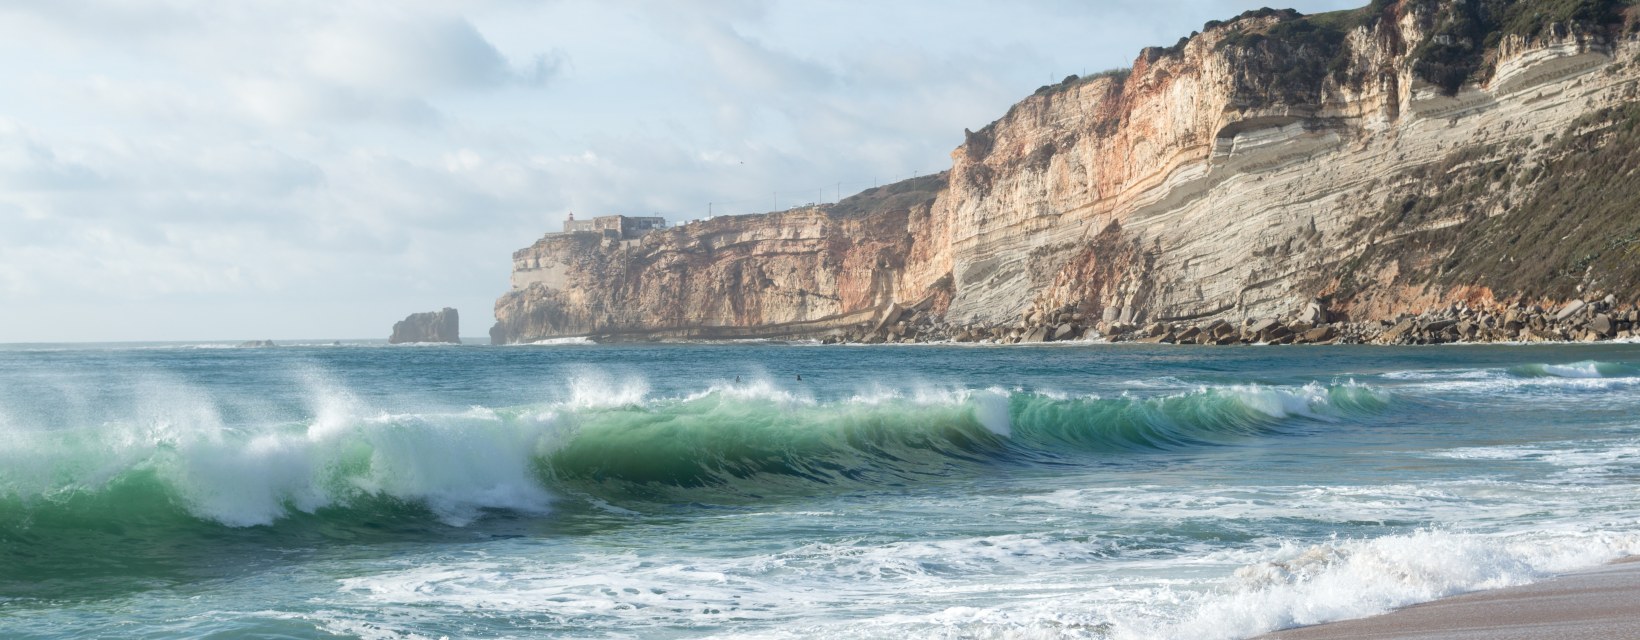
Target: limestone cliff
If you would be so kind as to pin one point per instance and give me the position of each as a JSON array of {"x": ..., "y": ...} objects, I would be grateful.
[
  {"x": 796, "y": 271},
  {"x": 443, "y": 325},
  {"x": 1383, "y": 160}
]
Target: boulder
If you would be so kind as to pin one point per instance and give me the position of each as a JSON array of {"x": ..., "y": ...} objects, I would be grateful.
[
  {"x": 1570, "y": 310},
  {"x": 1313, "y": 314},
  {"x": 1066, "y": 331},
  {"x": 891, "y": 315},
  {"x": 1514, "y": 320},
  {"x": 1440, "y": 325},
  {"x": 1319, "y": 334},
  {"x": 1399, "y": 331},
  {"x": 1258, "y": 328},
  {"x": 434, "y": 326},
  {"x": 1266, "y": 331},
  {"x": 1039, "y": 334},
  {"x": 1602, "y": 324}
]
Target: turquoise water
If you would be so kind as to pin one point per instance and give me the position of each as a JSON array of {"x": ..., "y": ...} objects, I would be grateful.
[{"x": 1101, "y": 491}]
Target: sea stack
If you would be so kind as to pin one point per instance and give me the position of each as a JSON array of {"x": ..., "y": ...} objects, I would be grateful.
[{"x": 433, "y": 326}]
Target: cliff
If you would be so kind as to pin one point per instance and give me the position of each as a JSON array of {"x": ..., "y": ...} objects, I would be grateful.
[
  {"x": 1390, "y": 160},
  {"x": 443, "y": 325}
]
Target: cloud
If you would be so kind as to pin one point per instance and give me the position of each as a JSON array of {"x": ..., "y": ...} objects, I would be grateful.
[{"x": 413, "y": 53}]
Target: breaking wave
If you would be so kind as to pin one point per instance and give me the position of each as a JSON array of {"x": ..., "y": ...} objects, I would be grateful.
[
  {"x": 609, "y": 440},
  {"x": 1584, "y": 369}
]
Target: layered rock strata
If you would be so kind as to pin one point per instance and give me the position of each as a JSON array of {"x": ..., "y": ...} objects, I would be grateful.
[
  {"x": 443, "y": 325},
  {"x": 1404, "y": 159}
]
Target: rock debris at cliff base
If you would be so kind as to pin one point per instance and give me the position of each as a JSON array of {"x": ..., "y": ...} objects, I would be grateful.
[{"x": 1579, "y": 320}]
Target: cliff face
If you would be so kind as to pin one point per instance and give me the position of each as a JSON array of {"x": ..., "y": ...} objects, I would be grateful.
[
  {"x": 775, "y": 274},
  {"x": 1386, "y": 160},
  {"x": 443, "y": 325}
]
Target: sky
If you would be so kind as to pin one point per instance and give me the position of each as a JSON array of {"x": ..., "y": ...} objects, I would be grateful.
[{"x": 295, "y": 169}]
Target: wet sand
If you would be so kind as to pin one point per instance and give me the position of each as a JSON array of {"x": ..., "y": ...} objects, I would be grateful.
[{"x": 1599, "y": 604}]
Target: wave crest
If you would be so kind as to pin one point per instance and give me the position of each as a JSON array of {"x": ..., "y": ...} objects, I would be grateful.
[
  {"x": 607, "y": 438},
  {"x": 1584, "y": 369}
]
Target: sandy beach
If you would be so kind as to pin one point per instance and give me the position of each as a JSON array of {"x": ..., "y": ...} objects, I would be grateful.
[{"x": 1598, "y": 604}]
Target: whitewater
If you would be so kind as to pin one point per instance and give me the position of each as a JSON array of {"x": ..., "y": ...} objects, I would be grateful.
[{"x": 570, "y": 489}]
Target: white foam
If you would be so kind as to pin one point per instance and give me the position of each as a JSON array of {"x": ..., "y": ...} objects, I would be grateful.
[
  {"x": 1444, "y": 374},
  {"x": 558, "y": 342},
  {"x": 1587, "y": 369},
  {"x": 1582, "y": 458},
  {"x": 759, "y": 388},
  {"x": 1035, "y": 585},
  {"x": 1357, "y": 578},
  {"x": 1501, "y": 384},
  {"x": 1453, "y": 502}
]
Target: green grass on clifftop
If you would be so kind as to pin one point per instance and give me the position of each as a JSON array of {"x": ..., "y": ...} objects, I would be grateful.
[{"x": 1535, "y": 228}]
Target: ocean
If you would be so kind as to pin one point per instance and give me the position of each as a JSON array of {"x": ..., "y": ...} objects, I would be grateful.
[{"x": 689, "y": 491}]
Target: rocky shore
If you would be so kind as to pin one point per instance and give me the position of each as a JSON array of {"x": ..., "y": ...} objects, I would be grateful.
[{"x": 1592, "y": 320}]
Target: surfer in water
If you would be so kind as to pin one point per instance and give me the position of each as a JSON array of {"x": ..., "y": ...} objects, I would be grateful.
[{"x": 799, "y": 377}]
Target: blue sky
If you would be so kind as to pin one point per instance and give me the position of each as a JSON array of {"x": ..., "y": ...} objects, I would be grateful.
[{"x": 176, "y": 170}]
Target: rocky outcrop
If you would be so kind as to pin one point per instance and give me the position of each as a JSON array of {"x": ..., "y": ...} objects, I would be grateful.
[
  {"x": 796, "y": 272},
  {"x": 433, "y": 326},
  {"x": 1374, "y": 164}
]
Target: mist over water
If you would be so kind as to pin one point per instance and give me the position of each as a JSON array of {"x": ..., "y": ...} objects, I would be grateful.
[{"x": 704, "y": 491}]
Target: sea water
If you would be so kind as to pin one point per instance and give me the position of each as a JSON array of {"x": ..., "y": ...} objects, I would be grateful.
[{"x": 683, "y": 491}]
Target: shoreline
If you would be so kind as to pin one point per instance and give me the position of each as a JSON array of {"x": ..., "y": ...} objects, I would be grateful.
[
  {"x": 1579, "y": 321},
  {"x": 1598, "y": 603},
  {"x": 1602, "y": 319}
]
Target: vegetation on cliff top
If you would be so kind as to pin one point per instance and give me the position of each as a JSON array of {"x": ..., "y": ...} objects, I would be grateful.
[
  {"x": 1464, "y": 32},
  {"x": 1291, "y": 60},
  {"x": 1302, "y": 50},
  {"x": 901, "y": 195}
]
